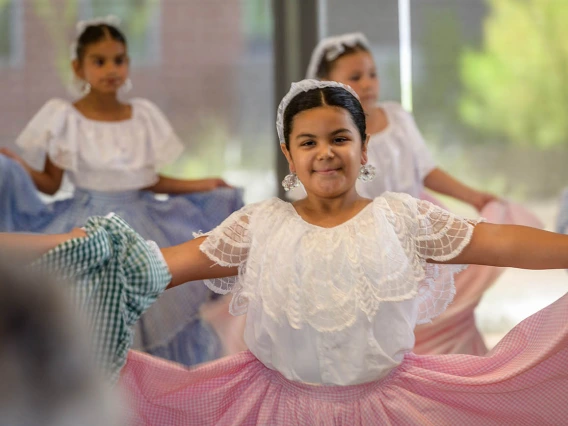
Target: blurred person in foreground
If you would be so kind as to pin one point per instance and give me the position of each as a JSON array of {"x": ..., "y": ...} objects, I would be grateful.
[{"x": 47, "y": 375}]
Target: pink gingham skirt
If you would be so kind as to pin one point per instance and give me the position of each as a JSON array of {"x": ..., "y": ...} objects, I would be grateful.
[{"x": 522, "y": 381}]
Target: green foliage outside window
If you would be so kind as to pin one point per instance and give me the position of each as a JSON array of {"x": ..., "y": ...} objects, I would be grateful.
[{"x": 516, "y": 85}]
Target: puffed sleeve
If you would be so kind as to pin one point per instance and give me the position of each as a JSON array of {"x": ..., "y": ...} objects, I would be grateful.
[
  {"x": 428, "y": 232},
  {"x": 166, "y": 146},
  {"x": 50, "y": 133}
]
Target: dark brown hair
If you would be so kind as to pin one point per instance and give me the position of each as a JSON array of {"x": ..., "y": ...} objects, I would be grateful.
[
  {"x": 325, "y": 66},
  {"x": 327, "y": 96},
  {"x": 95, "y": 33}
]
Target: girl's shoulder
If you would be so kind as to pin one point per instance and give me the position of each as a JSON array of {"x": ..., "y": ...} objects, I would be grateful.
[
  {"x": 394, "y": 110},
  {"x": 269, "y": 211},
  {"x": 266, "y": 207},
  {"x": 54, "y": 106},
  {"x": 52, "y": 115},
  {"x": 145, "y": 105},
  {"x": 148, "y": 112},
  {"x": 398, "y": 117},
  {"x": 259, "y": 215}
]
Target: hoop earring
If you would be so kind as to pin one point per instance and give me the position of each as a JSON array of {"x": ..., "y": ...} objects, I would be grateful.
[
  {"x": 291, "y": 181},
  {"x": 367, "y": 173}
]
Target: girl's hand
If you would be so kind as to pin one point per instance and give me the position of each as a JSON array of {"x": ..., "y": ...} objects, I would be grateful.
[
  {"x": 76, "y": 233},
  {"x": 12, "y": 155},
  {"x": 28, "y": 247},
  {"x": 166, "y": 185},
  {"x": 481, "y": 199},
  {"x": 213, "y": 183}
]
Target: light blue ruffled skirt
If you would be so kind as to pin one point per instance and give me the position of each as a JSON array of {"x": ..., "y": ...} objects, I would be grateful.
[{"x": 172, "y": 327}]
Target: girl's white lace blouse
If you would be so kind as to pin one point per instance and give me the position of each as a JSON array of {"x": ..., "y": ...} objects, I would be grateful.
[
  {"x": 337, "y": 305},
  {"x": 101, "y": 155}
]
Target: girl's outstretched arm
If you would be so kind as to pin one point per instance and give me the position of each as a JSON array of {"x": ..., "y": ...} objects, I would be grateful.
[
  {"x": 166, "y": 185},
  {"x": 515, "y": 246},
  {"x": 28, "y": 247},
  {"x": 440, "y": 181},
  {"x": 47, "y": 181},
  {"x": 187, "y": 263}
]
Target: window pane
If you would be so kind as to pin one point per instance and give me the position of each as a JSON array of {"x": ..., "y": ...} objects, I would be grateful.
[
  {"x": 490, "y": 98},
  {"x": 378, "y": 20},
  {"x": 213, "y": 79},
  {"x": 140, "y": 20},
  {"x": 5, "y": 29}
]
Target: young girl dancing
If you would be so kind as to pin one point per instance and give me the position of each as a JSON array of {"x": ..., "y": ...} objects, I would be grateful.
[{"x": 333, "y": 286}]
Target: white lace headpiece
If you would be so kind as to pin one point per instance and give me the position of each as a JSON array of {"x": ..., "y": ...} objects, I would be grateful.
[
  {"x": 111, "y": 20},
  {"x": 332, "y": 47},
  {"x": 299, "y": 87}
]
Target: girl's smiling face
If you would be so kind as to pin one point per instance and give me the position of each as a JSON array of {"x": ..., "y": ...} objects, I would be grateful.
[{"x": 326, "y": 151}]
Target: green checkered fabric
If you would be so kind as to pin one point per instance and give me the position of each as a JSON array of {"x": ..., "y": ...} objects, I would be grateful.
[{"x": 114, "y": 276}]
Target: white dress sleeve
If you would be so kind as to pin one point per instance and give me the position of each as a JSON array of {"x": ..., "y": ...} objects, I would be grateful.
[
  {"x": 47, "y": 134},
  {"x": 422, "y": 157},
  {"x": 428, "y": 232},
  {"x": 228, "y": 245},
  {"x": 165, "y": 143}
]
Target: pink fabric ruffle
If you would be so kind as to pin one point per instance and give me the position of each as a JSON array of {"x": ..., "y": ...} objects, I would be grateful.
[{"x": 522, "y": 381}]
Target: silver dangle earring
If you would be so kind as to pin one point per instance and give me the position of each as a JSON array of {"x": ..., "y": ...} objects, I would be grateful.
[
  {"x": 291, "y": 181},
  {"x": 126, "y": 86},
  {"x": 367, "y": 173},
  {"x": 86, "y": 89},
  {"x": 78, "y": 87}
]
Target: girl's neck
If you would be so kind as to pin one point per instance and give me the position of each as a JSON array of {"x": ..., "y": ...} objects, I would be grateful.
[
  {"x": 313, "y": 206},
  {"x": 101, "y": 101},
  {"x": 103, "y": 107},
  {"x": 377, "y": 120}
]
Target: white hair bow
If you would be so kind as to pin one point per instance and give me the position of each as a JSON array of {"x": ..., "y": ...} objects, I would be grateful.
[
  {"x": 332, "y": 47},
  {"x": 111, "y": 20},
  {"x": 299, "y": 87}
]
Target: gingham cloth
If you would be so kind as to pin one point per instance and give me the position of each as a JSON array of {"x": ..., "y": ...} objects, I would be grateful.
[
  {"x": 172, "y": 327},
  {"x": 114, "y": 276}
]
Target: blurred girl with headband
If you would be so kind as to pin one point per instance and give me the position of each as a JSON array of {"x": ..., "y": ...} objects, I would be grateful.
[
  {"x": 403, "y": 163},
  {"x": 113, "y": 151}
]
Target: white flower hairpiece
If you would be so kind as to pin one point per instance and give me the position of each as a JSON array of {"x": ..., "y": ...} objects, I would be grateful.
[
  {"x": 295, "y": 89},
  {"x": 332, "y": 47}
]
